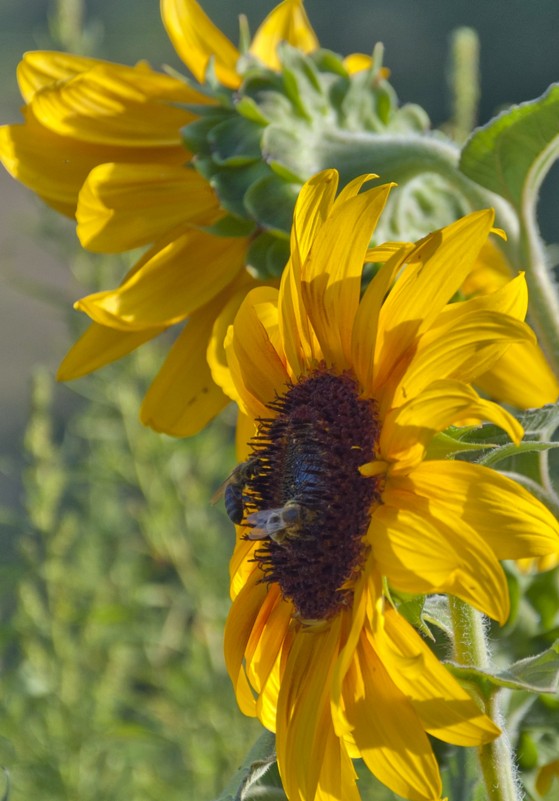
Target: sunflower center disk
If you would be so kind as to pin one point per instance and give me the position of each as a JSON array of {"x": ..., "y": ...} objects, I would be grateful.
[{"x": 306, "y": 498}]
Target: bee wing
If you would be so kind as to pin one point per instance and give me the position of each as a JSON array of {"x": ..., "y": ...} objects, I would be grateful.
[
  {"x": 265, "y": 523},
  {"x": 219, "y": 493}
]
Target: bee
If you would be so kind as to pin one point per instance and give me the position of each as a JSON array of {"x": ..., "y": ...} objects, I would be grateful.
[
  {"x": 232, "y": 491},
  {"x": 274, "y": 524}
]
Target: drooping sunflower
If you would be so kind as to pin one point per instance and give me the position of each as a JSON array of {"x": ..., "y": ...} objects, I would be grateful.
[
  {"x": 341, "y": 391},
  {"x": 102, "y": 142}
]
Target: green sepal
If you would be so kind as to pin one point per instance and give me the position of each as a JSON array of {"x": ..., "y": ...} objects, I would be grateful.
[
  {"x": 510, "y": 450},
  {"x": 232, "y": 184},
  {"x": 235, "y": 142},
  {"x": 231, "y": 226},
  {"x": 267, "y": 256},
  {"x": 448, "y": 443},
  {"x": 270, "y": 201},
  {"x": 250, "y": 110},
  {"x": 256, "y": 778},
  {"x": 536, "y": 674},
  {"x": 195, "y": 134},
  {"x": 512, "y": 154}
]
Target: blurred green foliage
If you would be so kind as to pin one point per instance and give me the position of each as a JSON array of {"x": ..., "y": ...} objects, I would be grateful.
[{"x": 113, "y": 682}]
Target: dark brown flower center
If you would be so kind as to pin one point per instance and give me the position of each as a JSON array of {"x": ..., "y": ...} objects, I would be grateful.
[{"x": 305, "y": 497}]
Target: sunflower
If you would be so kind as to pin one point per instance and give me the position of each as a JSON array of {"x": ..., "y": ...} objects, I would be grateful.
[
  {"x": 341, "y": 390},
  {"x": 102, "y": 142}
]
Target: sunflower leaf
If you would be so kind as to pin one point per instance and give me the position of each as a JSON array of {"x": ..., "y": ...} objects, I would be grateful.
[
  {"x": 537, "y": 674},
  {"x": 257, "y": 776},
  {"x": 536, "y": 421},
  {"x": 512, "y": 153}
]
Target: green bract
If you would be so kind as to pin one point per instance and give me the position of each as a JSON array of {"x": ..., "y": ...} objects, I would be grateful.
[{"x": 260, "y": 143}]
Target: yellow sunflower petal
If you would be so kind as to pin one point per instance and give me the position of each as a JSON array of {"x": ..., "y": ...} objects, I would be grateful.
[
  {"x": 124, "y": 206},
  {"x": 508, "y": 518},
  {"x": 217, "y": 358},
  {"x": 169, "y": 283},
  {"x": 242, "y": 564},
  {"x": 331, "y": 277},
  {"x": 55, "y": 167},
  {"x": 422, "y": 554},
  {"x": 98, "y": 346},
  {"x": 289, "y": 23},
  {"x": 441, "y": 262},
  {"x": 312, "y": 208},
  {"x": 244, "y": 432},
  {"x": 238, "y": 628},
  {"x": 267, "y": 703},
  {"x": 365, "y": 327},
  {"x": 266, "y": 639},
  {"x": 196, "y": 39},
  {"x": 312, "y": 761},
  {"x": 182, "y": 399},
  {"x": 407, "y": 430},
  {"x": 521, "y": 377},
  {"x": 446, "y": 710},
  {"x": 257, "y": 351},
  {"x": 387, "y": 730},
  {"x": 356, "y": 62},
  {"x": 41, "y": 68},
  {"x": 460, "y": 351},
  {"x": 545, "y": 776},
  {"x": 490, "y": 271},
  {"x": 116, "y": 105}
]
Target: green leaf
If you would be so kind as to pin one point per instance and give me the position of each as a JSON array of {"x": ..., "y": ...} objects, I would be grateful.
[
  {"x": 461, "y": 776},
  {"x": 512, "y": 153},
  {"x": 537, "y": 674},
  {"x": 256, "y": 777},
  {"x": 6, "y": 794},
  {"x": 436, "y": 610},
  {"x": 537, "y": 421}
]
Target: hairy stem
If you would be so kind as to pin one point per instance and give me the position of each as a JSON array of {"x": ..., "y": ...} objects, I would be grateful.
[{"x": 496, "y": 759}]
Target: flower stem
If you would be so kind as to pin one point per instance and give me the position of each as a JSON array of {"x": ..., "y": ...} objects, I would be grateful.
[
  {"x": 542, "y": 289},
  {"x": 496, "y": 759}
]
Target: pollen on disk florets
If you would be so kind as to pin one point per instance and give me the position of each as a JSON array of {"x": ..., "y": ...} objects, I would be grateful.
[{"x": 308, "y": 455}]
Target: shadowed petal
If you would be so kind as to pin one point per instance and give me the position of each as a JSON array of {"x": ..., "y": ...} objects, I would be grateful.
[
  {"x": 182, "y": 398},
  {"x": 387, "y": 730},
  {"x": 512, "y": 522},
  {"x": 421, "y": 554},
  {"x": 100, "y": 345},
  {"x": 169, "y": 283},
  {"x": 124, "y": 206},
  {"x": 446, "y": 710},
  {"x": 408, "y": 430}
]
